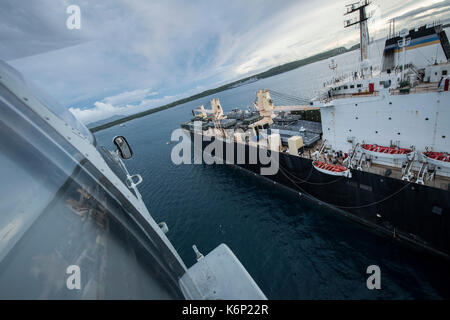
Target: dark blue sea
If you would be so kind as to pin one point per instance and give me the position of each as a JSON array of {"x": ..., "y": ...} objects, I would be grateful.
[{"x": 292, "y": 248}]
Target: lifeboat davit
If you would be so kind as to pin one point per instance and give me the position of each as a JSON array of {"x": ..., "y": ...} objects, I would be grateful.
[
  {"x": 332, "y": 169},
  {"x": 386, "y": 152},
  {"x": 441, "y": 159}
]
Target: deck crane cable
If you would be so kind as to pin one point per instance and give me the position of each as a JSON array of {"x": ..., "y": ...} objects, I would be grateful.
[
  {"x": 309, "y": 175},
  {"x": 351, "y": 207},
  {"x": 283, "y": 100},
  {"x": 289, "y": 98}
]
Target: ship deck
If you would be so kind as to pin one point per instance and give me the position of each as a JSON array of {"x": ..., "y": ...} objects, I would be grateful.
[
  {"x": 419, "y": 88},
  {"x": 440, "y": 182}
]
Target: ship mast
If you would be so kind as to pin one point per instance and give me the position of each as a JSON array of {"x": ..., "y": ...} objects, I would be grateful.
[{"x": 363, "y": 28}]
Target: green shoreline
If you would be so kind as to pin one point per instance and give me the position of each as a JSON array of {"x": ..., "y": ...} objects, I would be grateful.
[{"x": 266, "y": 74}]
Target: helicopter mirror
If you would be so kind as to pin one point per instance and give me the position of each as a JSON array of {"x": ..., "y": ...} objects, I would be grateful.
[{"x": 123, "y": 147}]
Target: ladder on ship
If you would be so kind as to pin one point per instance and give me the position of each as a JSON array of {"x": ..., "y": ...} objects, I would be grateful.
[
  {"x": 353, "y": 156},
  {"x": 407, "y": 173},
  {"x": 317, "y": 153},
  {"x": 426, "y": 173},
  {"x": 422, "y": 173}
]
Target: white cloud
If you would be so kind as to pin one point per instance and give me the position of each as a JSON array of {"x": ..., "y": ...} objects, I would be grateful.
[
  {"x": 100, "y": 111},
  {"x": 114, "y": 105},
  {"x": 177, "y": 48},
  {"x": 129, "y": 96}
]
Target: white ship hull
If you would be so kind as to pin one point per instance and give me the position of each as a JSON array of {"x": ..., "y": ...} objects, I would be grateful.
[{"x": 420, "y": 120}]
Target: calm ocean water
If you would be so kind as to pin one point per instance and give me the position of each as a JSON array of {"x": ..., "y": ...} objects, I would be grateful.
[{"x": 293, "y": 249}]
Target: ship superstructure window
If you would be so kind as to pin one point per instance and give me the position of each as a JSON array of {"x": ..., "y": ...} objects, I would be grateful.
[
  {"x": 359, "y": 85},
  {"x": 352, "y": 86},
  {"x": 444, "y": 72},
  {"x": 345, "y": 87}
]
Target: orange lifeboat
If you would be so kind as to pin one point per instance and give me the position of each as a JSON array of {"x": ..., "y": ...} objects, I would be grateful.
[
  {"x": 441, "y": 159},
  {"x": 386, "y": 152},
  {"x": 332, "y": 169}
]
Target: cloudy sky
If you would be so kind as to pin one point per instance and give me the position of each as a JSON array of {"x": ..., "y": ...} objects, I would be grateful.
[{"x": 131, "y": 55}]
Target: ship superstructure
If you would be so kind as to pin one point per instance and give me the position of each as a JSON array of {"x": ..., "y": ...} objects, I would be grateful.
[
  {"x": 406, "y": 105},
  {"x": 374, "y": 144}
]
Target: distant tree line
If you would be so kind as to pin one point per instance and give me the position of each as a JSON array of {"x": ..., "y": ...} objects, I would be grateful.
[{"x": 266, "y": 74}]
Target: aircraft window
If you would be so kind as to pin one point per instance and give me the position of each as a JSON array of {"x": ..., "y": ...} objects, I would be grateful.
[
  {"x": 59, "y": 110},
  {"x": 60, "y": 211}
]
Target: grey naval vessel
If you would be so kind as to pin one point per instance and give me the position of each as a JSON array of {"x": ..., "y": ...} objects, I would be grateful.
[{"x": 373, "y": 145}]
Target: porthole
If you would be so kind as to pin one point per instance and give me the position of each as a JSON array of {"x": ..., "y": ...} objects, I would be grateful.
[
  {"x": 443, "y": 137},
  {"x": 426, "y": 119},
  {"x": 390, "y": 118},
  {"x": 398, "y": 133},
  {"x": 390, "y": 102}
]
